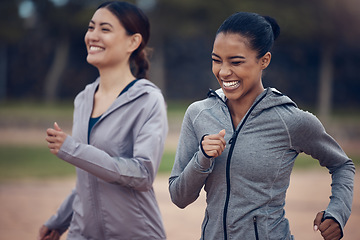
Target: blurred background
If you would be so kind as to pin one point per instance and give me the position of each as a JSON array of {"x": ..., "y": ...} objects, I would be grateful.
[
  {"x": 315, "y": 59},
  {"x": 43, "y": 66}
]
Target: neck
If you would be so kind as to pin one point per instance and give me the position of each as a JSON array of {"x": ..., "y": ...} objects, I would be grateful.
[
  {"x": 115, "y": 79},
  {"x": 239, "y": 108}
]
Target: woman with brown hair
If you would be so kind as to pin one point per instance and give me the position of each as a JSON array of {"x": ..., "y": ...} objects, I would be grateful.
[{"x": 119, "y": 130}]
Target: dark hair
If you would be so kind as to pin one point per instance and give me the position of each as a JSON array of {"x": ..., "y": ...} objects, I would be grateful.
[
  {"x": 261, "y": 31},
  {"x": 134, "y": 21}
]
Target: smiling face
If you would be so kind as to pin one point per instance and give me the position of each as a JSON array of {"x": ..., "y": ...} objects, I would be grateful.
[
  {"x": 107, "y": 41},
  {"x": 237, "y": 68}
]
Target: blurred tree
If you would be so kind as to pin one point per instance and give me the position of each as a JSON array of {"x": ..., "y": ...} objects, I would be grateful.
[
  {"x": 11, "y": 32},
  {"x": 327, "y": 25},
  {"x": 321, "y": 26},
  {"x": 61, "y": 24},
  {"x": 49, "y": 49}
]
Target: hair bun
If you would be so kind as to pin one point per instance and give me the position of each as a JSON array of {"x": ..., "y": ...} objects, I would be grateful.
[{"x": 275, "y": 26}]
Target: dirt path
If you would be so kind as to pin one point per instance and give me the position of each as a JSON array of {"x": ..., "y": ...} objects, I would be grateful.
[{"x": 26, "y": 205}]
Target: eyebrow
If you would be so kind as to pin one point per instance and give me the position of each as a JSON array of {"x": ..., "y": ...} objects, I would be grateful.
[
  {"x": 102, "y": 24},
  {"x": 233, "y": 57}
]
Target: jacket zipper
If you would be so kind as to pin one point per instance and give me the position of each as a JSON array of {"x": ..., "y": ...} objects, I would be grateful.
[
  {"x": 94, "y": 192},
  {"x": 205, "y": 225},
  {"x": 232, "y": 141},
  {"x": 97, "y": 204},
  {"x": 256, "y": 228}
]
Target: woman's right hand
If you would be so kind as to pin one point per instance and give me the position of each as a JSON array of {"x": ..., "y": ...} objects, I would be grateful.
[
  {"x": 213, "y": 145},
  {"x": 47, "y": 234}
]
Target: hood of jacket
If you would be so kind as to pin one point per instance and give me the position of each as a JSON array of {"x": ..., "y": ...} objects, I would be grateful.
[{"x": 142, "y": 86}]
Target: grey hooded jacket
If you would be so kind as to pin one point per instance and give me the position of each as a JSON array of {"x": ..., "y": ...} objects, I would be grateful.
[
  {"x": 114, "y": 197},
  {"x": 246, "y": 185}
]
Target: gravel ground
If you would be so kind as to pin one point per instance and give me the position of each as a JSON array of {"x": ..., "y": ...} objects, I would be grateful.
[{"x": 25, "y": 205}]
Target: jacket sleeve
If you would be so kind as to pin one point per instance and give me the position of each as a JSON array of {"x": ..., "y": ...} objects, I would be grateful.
[
  {"x": 191, "y": 167},
  {"x": 137, "y": 172},
  {"x": 312, "y": 139},
  {"x": 61, "y": 220}
]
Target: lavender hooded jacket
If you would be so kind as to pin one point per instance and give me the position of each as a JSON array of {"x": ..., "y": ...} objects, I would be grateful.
[{"x": 114, "y": 197}]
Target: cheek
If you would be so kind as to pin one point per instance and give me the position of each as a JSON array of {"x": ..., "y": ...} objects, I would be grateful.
[
  {"x": 215, "y": 69},
  {"x": 86, "y": 37}
]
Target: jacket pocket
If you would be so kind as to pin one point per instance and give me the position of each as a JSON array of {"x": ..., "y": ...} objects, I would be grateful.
[{"x": 256, "y": 228}]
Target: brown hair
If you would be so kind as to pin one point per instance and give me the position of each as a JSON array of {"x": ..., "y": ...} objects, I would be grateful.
[{"x": 134, "y": 21}]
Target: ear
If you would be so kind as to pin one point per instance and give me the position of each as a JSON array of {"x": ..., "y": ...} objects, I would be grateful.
[
  {"x": 265, "y": 60},
  {"x": 135, "y": 41}
]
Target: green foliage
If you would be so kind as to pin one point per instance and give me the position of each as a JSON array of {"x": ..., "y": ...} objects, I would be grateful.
[
  {"x": 25, "y": 162},
  {"x": 21, "y": 162},
  {"x": 167, "y": 162},
  {"x": 34, "y": 114},
  {"x": 307, "y": 162}
]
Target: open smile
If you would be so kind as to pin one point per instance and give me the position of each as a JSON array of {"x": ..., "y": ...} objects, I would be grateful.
[
  {"x": 93, "y": 49},
  {"x": 231, "y": 84}
]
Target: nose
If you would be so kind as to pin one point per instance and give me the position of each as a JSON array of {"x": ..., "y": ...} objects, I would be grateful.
[
  {"x": 91, "y": 36},
  {"x": 224, "y": 71}
]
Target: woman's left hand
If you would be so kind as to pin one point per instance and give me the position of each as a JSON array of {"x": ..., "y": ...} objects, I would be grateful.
[
  {"x": 55, "y": 138},
  {"x": 330, "y": 229}
]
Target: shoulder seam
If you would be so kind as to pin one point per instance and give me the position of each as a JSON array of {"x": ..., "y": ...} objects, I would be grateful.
[{"x": 286, "y": 127}]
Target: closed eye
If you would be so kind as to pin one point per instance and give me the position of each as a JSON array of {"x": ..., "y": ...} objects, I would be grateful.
[
  {"x": 237, "y": 62},
  {"x": 216, "y": 60}
]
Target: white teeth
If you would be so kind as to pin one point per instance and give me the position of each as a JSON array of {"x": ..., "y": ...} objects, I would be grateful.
[
  {"x": 93, "y": 48},
  {"x": 231, "y": 84}
]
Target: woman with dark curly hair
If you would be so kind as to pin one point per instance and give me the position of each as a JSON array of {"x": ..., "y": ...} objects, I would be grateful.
[{"x": 241, "y": 142}]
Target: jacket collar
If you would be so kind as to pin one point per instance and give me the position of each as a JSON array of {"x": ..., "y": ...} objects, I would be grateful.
[
  {"x": 273, "y": 98},
  {"x": 141, "y": 87}
]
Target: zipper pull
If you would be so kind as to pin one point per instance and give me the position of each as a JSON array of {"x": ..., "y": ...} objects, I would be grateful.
[{"x": 232, "y": 138}]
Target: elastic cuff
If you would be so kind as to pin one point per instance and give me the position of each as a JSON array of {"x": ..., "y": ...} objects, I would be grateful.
[{"x": 201, "y": 147}]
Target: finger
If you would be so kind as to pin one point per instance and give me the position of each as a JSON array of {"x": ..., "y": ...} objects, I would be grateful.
[
  {"x": 54, "y": 151},
  {"x": 51, "y": 132},
  {"x": 50, "y": 139},
  {"x": 52, "y": 234},
  {"x": 213, "y": 150},
  {"x": 331, "y": 236},
  {"x": 56, "y": 235},
  {"x": 212, "y": 153},
  {"x": 54, "y": 145},
  {"x": 56, "y": 127},
  {"x": 222, "y": 133},
  {"x": 43, "y": 231},
  {"x": 330, "y": 229},
  {"x": 213, "y": 145},
  {"x": 317, "y": 220},
  {"x": 214, "y": 139},
  {"x": 325, "y": 225}
]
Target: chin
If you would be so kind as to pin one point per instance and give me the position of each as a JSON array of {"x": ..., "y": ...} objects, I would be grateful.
[{"x": 92, "y": 62}]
